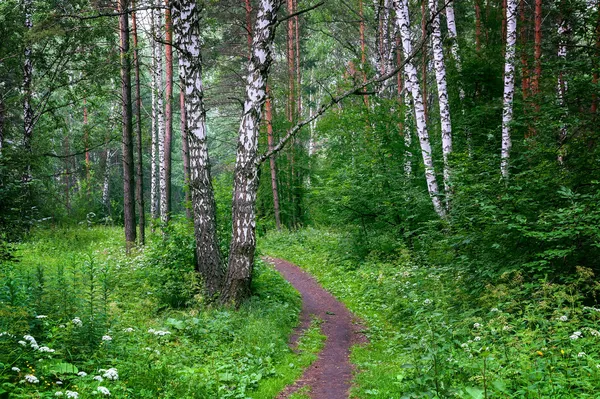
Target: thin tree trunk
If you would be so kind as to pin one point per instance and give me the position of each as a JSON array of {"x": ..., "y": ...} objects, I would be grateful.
[
  {"x": 405, "y": 126},
  {"x": 86, "y": 144},
  {"x": 128, "y": 180},
  {"x": 594, "y": 107},
  {"x": 477, "y": 26},
  {"x": 412, "y": 84},
  {"x": 243, "y": 242},
  {"x": 165, "y": 190},
  {"x": 106, "y": 183},
  {"x": 363, "y": 51},
  {"x": 160, "y": 112},
  {"x": 291, "y": 63},
  {"x": 440, "y": 76},
  {"x": 298, "y": 69},
  {"x": 269, "y": 119},
  {"x": 185, "y": 151},
  {"x": 525, "y": 78},
  {"x": 2, "y": 119},
  {"x": 424, "y": 60},
  {"x": 563, "y": 32},
  {"x": 537, "y": 54},
  {"x": 155, "y": 84},
  {"x": 67, "y": 175},
  {"x": 209, "y": 263},
  {"x": 452, "y": 32},
  {"x": 138, "y": 111},
  {"x": 509, "y": 84},
  {"x": 27, "y": 90}
]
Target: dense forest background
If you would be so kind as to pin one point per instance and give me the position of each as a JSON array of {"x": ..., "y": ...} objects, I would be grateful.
[{"x": 457, "y": 139}]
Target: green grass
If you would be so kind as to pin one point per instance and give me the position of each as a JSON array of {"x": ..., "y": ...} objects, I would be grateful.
[
  {"x": 431, "y": 338},
  {"x": 164, "y": 340}
]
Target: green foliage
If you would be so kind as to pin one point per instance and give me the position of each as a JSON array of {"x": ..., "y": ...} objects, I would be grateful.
[
  {"x": 92, "y": 309},
  {"x": 430, "y": 335}
]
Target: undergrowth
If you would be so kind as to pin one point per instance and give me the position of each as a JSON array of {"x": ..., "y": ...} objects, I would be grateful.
[
  {"x": 79, "y": 319},
  {"x": 431, "y": 337}
]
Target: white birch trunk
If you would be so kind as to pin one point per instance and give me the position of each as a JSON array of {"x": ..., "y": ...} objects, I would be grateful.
[
  {"x": 408, "y": 111},
  {"x": 563, "y": 31},
  {"x": 160, "y": 115},
  {"x": 509, "y": 83},
  {"x": 243, "y": 241},
  {"x": 412, "y": 84},
  {"x": 452, "y": 33},
  {"x": 186, "y": 17},
  {"x": 106, "y": 182},
  {"x": 27, "y": 91},
  {"x": 154, "y": 204},
  {"x": 440, "y": 77}
]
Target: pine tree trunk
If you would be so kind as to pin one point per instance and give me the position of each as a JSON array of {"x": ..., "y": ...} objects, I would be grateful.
[
  {"x": 269, "y": 119},
  {"x": 165, "y": 190},
  {"x": 243, "y": 242},
  {"x": 128, "y": 179},
  {"x": 440, "y": 77},
  {"x": 186, "y": 16},
  {"x": 412, "y": 84},
  {"x": 138, "y": 125},
  {"x": 185, "y": 150},
  {"x": 509, "y": 84}
]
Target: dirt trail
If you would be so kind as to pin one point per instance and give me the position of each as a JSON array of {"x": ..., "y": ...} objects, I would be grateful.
[{"x": 329, "y": 377}]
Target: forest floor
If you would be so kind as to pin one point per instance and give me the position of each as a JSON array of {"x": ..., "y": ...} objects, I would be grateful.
[{"x": 330, "y": 376}]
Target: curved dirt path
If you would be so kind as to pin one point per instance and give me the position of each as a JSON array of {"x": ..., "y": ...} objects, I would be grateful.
[{"x": 330, "y": 376}]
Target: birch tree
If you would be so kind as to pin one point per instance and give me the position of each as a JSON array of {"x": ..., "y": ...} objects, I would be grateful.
[
  {"x": 452, "y": 32},
  {"x": 165, "y": 178},
  {"x": 440, "y": 77},
  {"x": 157, "y": 116},
  {"x": 243, "y": 242},
  {"x": 412, "y": 84},
  {"x": 27, "y": 91},
  {"x": 509, "y": 83},
  {"x": 138, "y": 129},
  {"x": 187, "y": 29}
]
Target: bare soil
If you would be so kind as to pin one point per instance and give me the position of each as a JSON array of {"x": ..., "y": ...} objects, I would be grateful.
[{"x": 330, "y": 376}]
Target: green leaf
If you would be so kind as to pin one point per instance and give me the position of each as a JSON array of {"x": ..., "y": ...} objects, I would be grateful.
[{"x": 476, "y": 393}]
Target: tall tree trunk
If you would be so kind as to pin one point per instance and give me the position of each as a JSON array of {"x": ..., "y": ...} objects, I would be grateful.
[
  {"x": 525, "y": 78},
  {"x": 186, "y": 15},
  {"x": 138, "y": 124},
  {"x": 509, "y": 84},
  {"x": 2, "y": 119},
  {"x": 405, "y": 126},
  {"x": 185, "y": 150},
  {"x": 128, "y": 180},
  {"x": 269, "y": 119},
  {"x": 537, "y": 54},
  {"x": 440, "y": 77},
  {"x": 291, "y": 63},
  {"x": 160, "y": 115},
  {"x": 156, "y": 123},
  {"x": 594, "y": 107},
  {"x": 106, "y": 182},
  {"x": 563, "y": 32},
  {"x": 363, "y": 51},
  {"x": 27, "y": 90},
  {"x": 165, "y": 190},
  {"x": 452, "y": 32},
  {"x": 477, "y": 26},
  {"x": 424, "y": 59},
  {"x": 243, "y": 242},
  {"x": 412, "y": 84},
  {"x": 298, "y": 69},
  {"x": 86, "y": 144},
  {"x": 67, "y": 175}
]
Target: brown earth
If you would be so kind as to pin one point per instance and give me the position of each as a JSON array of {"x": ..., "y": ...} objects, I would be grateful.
[{"x": 330, "y": 376}]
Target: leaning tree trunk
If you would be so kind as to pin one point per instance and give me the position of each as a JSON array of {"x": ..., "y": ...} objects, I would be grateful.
[
  {"x": 440, "y": 77},
  {"x": 509, "y": 83},
  {"x": 186, "y": 16},
  {"x": 128, "y": 183},
  {"x": 138, "y": 112},
  {"x": 412, "y": 84},
  {"x": 243, "y": 242},
  {"x": 165, "y": 179}
]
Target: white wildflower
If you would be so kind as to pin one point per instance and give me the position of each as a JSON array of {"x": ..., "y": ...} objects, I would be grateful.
[
  {"x": 111, "y": 374},
  {"x": 72, "y": 394},
  {"x": 22, "y": 343},
  {"x": 58, "y": 393},
  {"x": 427, "y": 301},
  {"x": 506, "y": 328},
  {"x": 464, "y": 345},
  {"x": 575, "y": 335},
  {"x": 29, "y": 338},
  {"x": 151, "y": 330},
  {"x": 98, "y": 378},
  {"x": 477, "y": 338},
  {"x": 128, "y": 330},
  {"x": 563, "y": 318},
  {"x": 41, "y": 316},
  {"x": 82, "y": 374},
  {"x": 106, "y": 338},
  {"x": 16, "y": 369},
  {"x": 77, "y": 322},
  {"x": 35, "y": 347},
  {"x": 32, "y": 379},
  {"x": 104, "y": 391},
  {"x": 45, "y": 349},
  {"x": 495, "y": 310},
  {"x": 581, "y": 354},
  {"x": 160, "y": 333},
  {"x": 476, "y": 325}
]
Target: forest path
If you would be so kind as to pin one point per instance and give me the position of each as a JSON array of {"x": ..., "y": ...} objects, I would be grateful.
[{"x": 330, "y": 376}]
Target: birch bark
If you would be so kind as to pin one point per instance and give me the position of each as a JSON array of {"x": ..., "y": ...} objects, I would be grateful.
[
  {"x": 138, "y": 125},
  {"x": 186, "y": 16},
  {"x": 563, "y": 32},
  {"x": 412, "y": 84},
  {"x": 154, "y": 205},
  {"x": 243, "y": 242},
  {"x": 27, "y": 78},
  {"x": 509, "y": 84},
  {"x": 165, "y": 179},
  {"x": 440, "y": 77}
]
